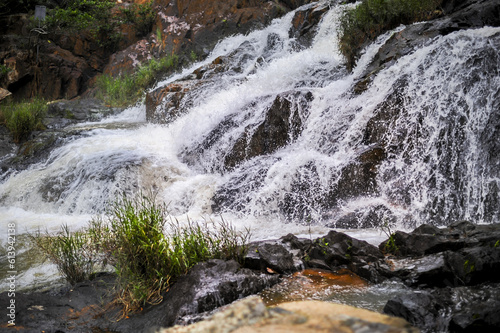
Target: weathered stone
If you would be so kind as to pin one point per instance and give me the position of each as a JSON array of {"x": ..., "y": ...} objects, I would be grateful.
[
  {"x": 305, "y": 22},
  {"x": 282, "y": 125},
  {"x": 195, "y": 26},
  {"x": 4, "y": 93},
  {"x": 438, "y": 311},
  {"x": 85, "y": 109},
  {"x": 210, "y": 285},
  {"x": 338, "y": 250},
  {"x": 358, "y": 178},
  {"x": 463, "y": 254},
  {"x": 250, "y": 315},
  {"x": 427, "y": 239},
  {"x": 263, "y": 255},
  {"x": 369, "y": 217},
  {"x": 165, "y": 104}
]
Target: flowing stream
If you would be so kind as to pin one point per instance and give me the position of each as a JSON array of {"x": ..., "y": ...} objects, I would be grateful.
[{"x": 440, "y": 164}]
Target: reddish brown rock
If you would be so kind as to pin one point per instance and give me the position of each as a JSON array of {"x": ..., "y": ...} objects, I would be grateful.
[
  {"x": 185, "y": 26},
  {"x": 165, "y": 104}
]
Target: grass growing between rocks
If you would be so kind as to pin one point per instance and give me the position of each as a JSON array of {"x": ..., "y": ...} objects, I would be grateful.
[
  {"x": 73, "y": 253},
  {"x": 371, "y": 18},
  {"x": 147, "y": 248},
  {"x": 22, "y": 118},
  {"x": 126, "y": 89}
]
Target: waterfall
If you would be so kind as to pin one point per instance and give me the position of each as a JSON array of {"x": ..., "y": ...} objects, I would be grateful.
[{"x": 427, "y": 125}]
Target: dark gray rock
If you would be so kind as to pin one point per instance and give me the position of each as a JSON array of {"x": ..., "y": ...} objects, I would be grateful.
[
  {"x": 427, "y": 239},
  {"x": 273, "y": 255},
  {"x": 463, "y": 309},
  {"x": 88, "y": 306},
  {"x": 210, "y": 285},
  {"x": 282, "y": 126},
  {"x": 65, "y": 112}
]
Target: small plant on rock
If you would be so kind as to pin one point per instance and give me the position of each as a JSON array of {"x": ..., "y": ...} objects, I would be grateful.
[
  {"x": 390, "y": 245},
  {"x": 22, "y": 118},
  {"x": 371, "y": 18},
  {"x": 126, "y": 89}
]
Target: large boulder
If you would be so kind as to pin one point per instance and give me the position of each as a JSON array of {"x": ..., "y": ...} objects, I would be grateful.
[
  {"x": 281, "y": 126},
  {"x": 210, "y": 285},
  {"x": 251, "y": 315},
  {"x": 89, "y": 305}
]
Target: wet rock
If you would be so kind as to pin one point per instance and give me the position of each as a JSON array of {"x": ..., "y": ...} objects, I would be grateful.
[
  {"x": 194, "y": 27},
  {"x": 282, "y": 125},
  {"x": 369, "y": 217},
  {"x": 428, "y": 239},
  {"x": 88, "y": 306},
  {"x": 165, "y": 104},
  {"x": 358, "y": 178},
  {"x": 462, "y": 254},
  {"x": 305, "y": 22},
  {"x": 459, "y": 14},
  {"x": 275, "y": 256},
  {"x": 61, "y": 113},
  {"x": 250, "y": 315},
  {"x": 336, "y": 251},
  {"x": 210, "y": 285},
  {"x": 438, "y": 310}
]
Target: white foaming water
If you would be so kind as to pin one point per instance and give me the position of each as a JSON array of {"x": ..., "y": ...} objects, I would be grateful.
[{"x": 423, "y": 179}]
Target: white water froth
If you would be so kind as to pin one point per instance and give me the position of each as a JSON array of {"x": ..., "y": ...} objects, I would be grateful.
[{"x": 280, "y": 192}]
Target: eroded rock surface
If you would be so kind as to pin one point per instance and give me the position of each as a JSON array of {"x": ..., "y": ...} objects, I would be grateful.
[{"x": 251, "y": 315}]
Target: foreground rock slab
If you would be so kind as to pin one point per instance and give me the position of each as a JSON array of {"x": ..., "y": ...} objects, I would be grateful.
[{"x": 251, "y": 315}]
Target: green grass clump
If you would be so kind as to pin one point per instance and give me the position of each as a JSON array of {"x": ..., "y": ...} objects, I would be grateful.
[
  {"x": 148, "y": 250},
  {"x": 373, "y": 17},
  {"x": 126, "y": 89},
  {"x": 22, "y": 118},
  {"x": 72, "y": 253}
]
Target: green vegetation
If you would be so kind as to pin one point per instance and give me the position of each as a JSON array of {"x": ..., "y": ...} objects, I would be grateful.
[
  {"x": 79, "y": 14},
  {"x": 142, "y": 16},
  {"x": 390, "y": 245},
  {"x": 4, "y": 70},
  {"x": 22, "y": 118},
  {"x": 371, "y": 18},
  {"x": 72, "y": 253},
  {"x": 469, "y": 267},
  {"x": 127, "y": 89},
  {"x": 148, "y": 250},
  {"x": 497, "y": 243},
  {"x": 86, "y": 15}
]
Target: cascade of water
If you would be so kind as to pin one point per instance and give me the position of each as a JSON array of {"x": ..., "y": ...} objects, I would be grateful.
[{"x": 433, "y": 161}]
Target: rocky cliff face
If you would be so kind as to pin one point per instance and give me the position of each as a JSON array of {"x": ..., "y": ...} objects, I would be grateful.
[{"x": 59, "y": 65}]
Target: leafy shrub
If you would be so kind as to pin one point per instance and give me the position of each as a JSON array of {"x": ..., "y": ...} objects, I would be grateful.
[
  {"x": 371, "y": 18},
  {"x": 127, "y": 89},
  {"x": 79, "y": 14},
  {"x": 22, "y": 118}
]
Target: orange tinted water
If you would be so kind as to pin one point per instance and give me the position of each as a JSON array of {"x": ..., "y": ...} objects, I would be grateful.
[{"x": 311, "y": 284}]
